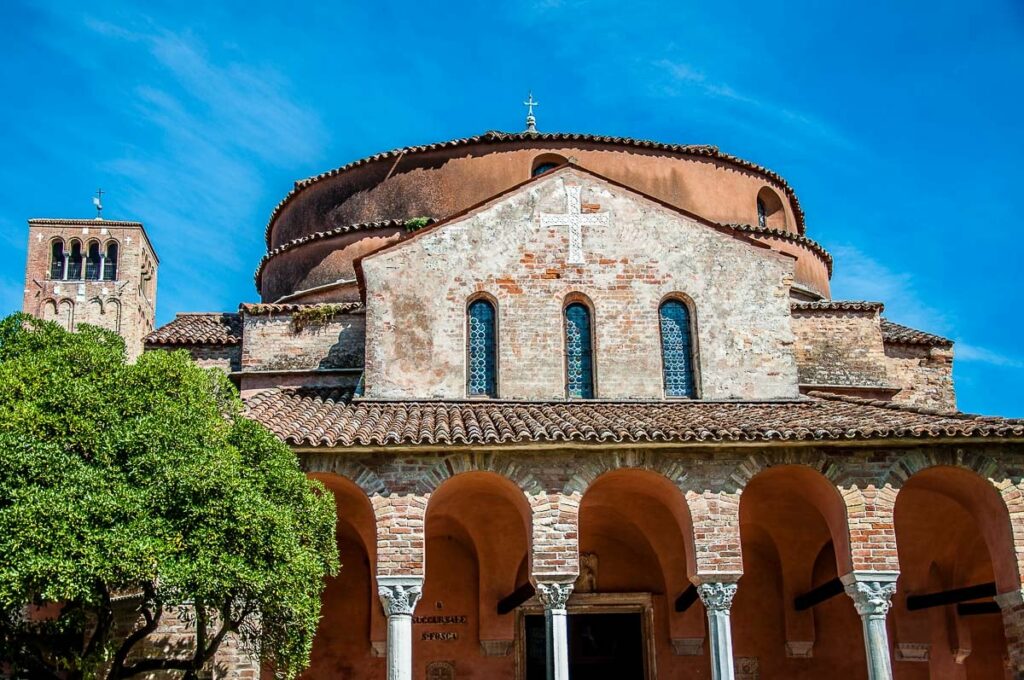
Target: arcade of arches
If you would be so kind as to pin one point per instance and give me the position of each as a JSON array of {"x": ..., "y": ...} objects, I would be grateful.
[{"x": 602, "y": 564}]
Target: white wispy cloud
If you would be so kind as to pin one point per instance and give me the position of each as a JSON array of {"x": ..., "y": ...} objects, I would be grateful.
[
  {"x": 862, "y": 277},
  {"x": 212, "y": 126},
  {"x": 968, "y": 352},
  {"x": 684, "y": 77}
]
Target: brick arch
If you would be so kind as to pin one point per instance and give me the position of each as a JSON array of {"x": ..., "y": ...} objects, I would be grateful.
[
  {"x": 502, "y": 465},
  {"x": 823, "y": 484},
  {"x": 908, "y": 465},
  {"x": 759, "y": 462},
  {"x": 345, "y": 466},
  {"x": 1009, "y": 517},
  {"x": 595, "y": 465},
  {"x": 616, "y": 488}
]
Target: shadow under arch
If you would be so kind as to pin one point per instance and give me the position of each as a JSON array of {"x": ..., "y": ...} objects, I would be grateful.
[
  {"x": 953, "y": 531},
  {"x": 980, "y": 500},
  {"x": 477, "y": 532},
  {"x": 351, "y": 616},
  {"x": 795, "y": 540},
  {"x": 636, "y": 536},
  {"x": 787, "y": 486}
]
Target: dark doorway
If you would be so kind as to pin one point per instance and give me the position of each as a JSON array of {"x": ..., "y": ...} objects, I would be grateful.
[{"x": 601, "y": 647}]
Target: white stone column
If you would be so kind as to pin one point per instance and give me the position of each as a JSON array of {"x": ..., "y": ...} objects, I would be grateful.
[
  {"x": 554, "y": 596},
  {"x": 717, "y": 599},
  {"x": 872, "y": 593},
  {"x": 399, "y": 595}
]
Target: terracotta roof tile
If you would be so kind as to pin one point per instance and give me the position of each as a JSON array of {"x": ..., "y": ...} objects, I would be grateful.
[
  {"x": 329, "y": 417},
  {"x": 787, "y": 236},
  {"x": 265, "y": 308},
  {"x": 496, "y": 137},
  {"x": 899, "y": 334},
  {"x": 210, "y": 328},
  {"x": 837, "y": 306}
]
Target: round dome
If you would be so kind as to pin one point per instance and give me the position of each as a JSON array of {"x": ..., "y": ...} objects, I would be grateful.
[{"x": 328, "y": 221}]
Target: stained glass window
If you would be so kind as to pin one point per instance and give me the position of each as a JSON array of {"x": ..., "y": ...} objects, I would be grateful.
[
  {"x": 579, "y": 354},
  {"x": 483, "y": 345},
  {"x": 544, "y": 167},
  {"x": 57, "y": 260},
  {"x": 110, "y": 263},
  {"x": 677, "y": 349},
  {"x": 75, "y": 261}
]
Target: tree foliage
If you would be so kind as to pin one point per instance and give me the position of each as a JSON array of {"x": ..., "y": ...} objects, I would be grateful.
[{"x": 144, "y": 484}]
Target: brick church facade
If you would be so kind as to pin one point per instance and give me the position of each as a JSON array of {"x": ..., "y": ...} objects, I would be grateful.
[{"x": 589, "y": 410}]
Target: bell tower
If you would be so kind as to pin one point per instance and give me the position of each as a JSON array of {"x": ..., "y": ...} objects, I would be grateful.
[{"x": 94, "y": 271}]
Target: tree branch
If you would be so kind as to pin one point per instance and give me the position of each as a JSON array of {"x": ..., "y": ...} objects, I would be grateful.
[
  {"x": 151, "y": 665},
  {"x": 199, "y": 653},
  {"x": 152, "y": 621},
  {"x": 104, "y": 622}
]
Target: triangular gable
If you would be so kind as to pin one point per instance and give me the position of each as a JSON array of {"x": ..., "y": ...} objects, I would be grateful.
[{"x": 551, "y": 174}]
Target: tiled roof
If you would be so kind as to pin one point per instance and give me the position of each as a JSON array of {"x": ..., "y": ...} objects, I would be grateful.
[
  {"x": 497, "y": 137},
  {"x": 262, "y": 309},
  {"x": 338, "y": 231},
  {"x": 899, "y": 334},
  {"x": 84, "y": 222},
  {"x": 837, "y": 306},
  {"x": 328, "y": 417},
  {"x": 788, "y": 236},
  {"x": 211, "y": 328}
]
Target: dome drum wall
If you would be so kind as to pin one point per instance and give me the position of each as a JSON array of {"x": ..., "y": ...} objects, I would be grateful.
[
  {"x": 321, "y": 262},
  {"x": 444, "y": 181}
]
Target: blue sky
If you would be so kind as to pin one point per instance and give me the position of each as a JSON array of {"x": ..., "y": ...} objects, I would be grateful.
[{"x": 898, "y": 124}]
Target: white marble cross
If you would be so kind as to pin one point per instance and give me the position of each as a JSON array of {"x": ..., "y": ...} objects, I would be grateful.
[{"x": 575, "y": 219}]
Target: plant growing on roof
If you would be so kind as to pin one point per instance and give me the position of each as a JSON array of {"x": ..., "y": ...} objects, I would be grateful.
[
  {"x": 140, "y": 490},
  {"x": 314, "y": 315},
  {"x": 416, "y": 223}
]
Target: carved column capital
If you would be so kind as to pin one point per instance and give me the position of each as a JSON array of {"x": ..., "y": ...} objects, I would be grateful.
[
  {"x": 871, "y": 592},
  {"x": 554, "y": 595},
  {"x": 399, "y": 595},
  {"x": 717, "y": 597}
]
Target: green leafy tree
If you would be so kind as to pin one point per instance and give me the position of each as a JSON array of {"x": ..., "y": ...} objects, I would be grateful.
[{"x": 142, "y": 489}]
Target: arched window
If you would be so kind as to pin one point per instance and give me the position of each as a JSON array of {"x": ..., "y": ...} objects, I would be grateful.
[
  {"x": 74, "y": 270},
  {"x": 482, "y": 374},
  {"x": 57, "y": 260},
  {"x": 546, "y": 162},
  {"x": 92, "y": 261},
  {"x": 110, "y": 262},
  {"x": 677, "y": 349},
  {"x": 579, "y": 352},
  {"x": 770, "y": 211}
]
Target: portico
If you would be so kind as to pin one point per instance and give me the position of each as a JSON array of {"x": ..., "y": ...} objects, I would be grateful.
[{"x": 701, "y": 567}]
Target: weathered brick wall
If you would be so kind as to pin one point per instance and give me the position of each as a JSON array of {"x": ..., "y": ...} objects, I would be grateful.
[
  {"x": 126, "y": 305},
  {"x": 417, "y": 295},
  {"x": 924, "y": 374},
  {"x": 867, "y": 483},
  {"x": 224, "y": 357},
  {"x": 401, "y": 545},
  {"x": 841, "y": 347},
  {"x": 273, "y": 342}
]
